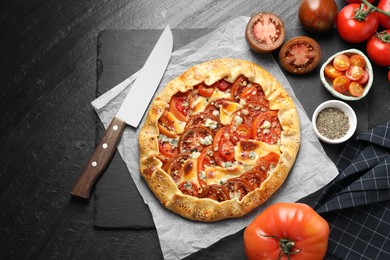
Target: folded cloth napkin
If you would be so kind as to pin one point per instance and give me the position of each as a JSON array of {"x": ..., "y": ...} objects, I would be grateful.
[{"x": 356, "y": 203}]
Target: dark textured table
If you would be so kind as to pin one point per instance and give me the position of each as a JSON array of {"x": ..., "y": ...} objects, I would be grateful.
[{"x": 48, "y": 52}]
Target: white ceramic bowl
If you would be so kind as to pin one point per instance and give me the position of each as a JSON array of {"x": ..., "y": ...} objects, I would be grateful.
[
  {"x": 327, "y": 82},
  {"x": 343, "y": 107}
]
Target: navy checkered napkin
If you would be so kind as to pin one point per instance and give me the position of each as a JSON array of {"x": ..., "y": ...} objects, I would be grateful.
[{"x": 356, "y": 203}]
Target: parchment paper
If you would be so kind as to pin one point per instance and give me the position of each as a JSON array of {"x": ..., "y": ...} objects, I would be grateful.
[{"x": 312, "y": 170}]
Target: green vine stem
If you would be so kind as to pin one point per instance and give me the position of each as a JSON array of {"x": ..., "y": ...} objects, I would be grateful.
[
  {"x": 374, "y": 8},
  {"x": 383, "y": 36},
  {"x": 286, "y": 246}
]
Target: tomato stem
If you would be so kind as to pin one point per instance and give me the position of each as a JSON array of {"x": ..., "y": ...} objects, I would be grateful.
[
  {"x": 374, "y": 8},
  {"x": 383, "y": 36},
  {"x": 286, "y": 246}
]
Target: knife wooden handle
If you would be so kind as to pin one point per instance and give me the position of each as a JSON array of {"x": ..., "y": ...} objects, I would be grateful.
[{"x": 99, "y": 160}]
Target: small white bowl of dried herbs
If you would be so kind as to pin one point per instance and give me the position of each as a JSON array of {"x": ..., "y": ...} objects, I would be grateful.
[{"x": 334, "y": 121}]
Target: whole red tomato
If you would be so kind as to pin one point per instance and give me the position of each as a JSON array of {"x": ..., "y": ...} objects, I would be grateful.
[
  {"x": 384, "y": 20},
  {"x": 293, "y": 230},
  {"x": 317, "y": 15},
  {"x": 378, "y": 48},
  {"x": 355, "y": 24}
]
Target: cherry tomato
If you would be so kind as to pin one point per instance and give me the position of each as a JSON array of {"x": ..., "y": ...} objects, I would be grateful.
[
  {"x": 317, "y": 15},
  {"x": 331, "y": 71},
  {"x": 287, "y": 231},
  {"x": 363, "y": 80},
  {"x": 265, "y": 32},
  {"x": 237, "y": 188},
  {"x": 355, "y": 89},
  {"x": 205, "y": 90},
  {"x": 354, "y": 26},
  {"x": 266, "y": 127},
  {"x": 167, "y": 149},
  {"x": 179, "y": 105},
  {"x": 358, "y": 60},
  {"x": 341, "y": 84},
  {"x": 378, "y": 48},
  {"x": 300, "y": 55},
  {"x": 222, "y": 85},
  {"x": 341, "y": 62},
  {"x": 354, "y": 73},
  {"x": 188, "y": 188},
  {"x": 384, "y": 20}
]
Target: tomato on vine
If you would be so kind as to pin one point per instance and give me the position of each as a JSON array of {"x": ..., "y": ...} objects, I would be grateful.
[
  {"x": 357, "y": 22},
  {"x": 378, "y": 48}
]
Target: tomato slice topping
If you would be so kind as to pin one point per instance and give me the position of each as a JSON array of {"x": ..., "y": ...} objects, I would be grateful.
[
  {"x": 175, "y": 166},
  {"x": 195, "y": 139},
  {"x": 223, "y": 146},
  {"x": 266, "y": 127},
  {"x": 217, "y": 192},
  {"x": 341, "y": 84},
  {"x": 222, "y": 85},
  {"x": 354, "y": 73},
  {"x": 205, "y": 159},
  {"x": 165, "y": 125},
  {"x": 341, "y": 62},
  {"x": 188, "y": 188},
  {"x": 240, "y": 132},
  {"x": 240, "y": 85},
  {"x": 204, "y": 119},
  {"x": 213, "y": 107},
  {"x": 237, "y": 188},
  {"x": 331, "y": 71},
  {"x": 358, "y": 60},
  {"x": 168, "y": 148},
  {"x": 251, "y": 110},
  {"x": 204, "y": 90},
  {"x": 255, "y": 177},
  {"x": 179, "y": 105},
  {"x": 255, "y": 94},
  {"x": 355, "y": 89}
]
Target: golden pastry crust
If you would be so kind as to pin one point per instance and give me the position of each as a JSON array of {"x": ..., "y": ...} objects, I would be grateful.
[{"x": 205, "y": 209}]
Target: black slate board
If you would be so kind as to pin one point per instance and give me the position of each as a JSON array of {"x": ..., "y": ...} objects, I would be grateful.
[{"x": 122, "y": 53}]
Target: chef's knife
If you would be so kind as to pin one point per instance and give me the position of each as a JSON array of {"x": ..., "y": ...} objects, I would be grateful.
[{"x": 130, "y": 112}]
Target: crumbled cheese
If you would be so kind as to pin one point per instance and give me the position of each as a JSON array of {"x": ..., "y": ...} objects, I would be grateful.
[
  {"x": 238, "y": 120},
  {"x": 165, "y": 139},
  {"x": 215, "y": 113},
  {"x": 266, "y": 125},
  {"x": 245, "y": 112},
  {"x": 202, "y": 175},
  {"x": 252, "y": 155},
  {"x": 211, "y": 124},
  {"x": 227, "y": 164},
  {"x": 195, "y": 155},
  {"x": 206, "y": 141}
]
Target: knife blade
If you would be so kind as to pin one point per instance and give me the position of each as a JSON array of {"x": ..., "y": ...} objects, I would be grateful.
[{"x": 130, "y": 112}]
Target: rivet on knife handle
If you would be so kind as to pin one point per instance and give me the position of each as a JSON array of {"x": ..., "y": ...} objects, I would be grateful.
[{"x": 99, "y": 160}]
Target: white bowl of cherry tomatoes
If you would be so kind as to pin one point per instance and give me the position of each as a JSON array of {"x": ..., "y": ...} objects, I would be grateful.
[{"x": 347, "y": 75}]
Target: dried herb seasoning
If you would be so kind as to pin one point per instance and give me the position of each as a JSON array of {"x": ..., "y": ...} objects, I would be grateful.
[{"x": 332, "y": 123}]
